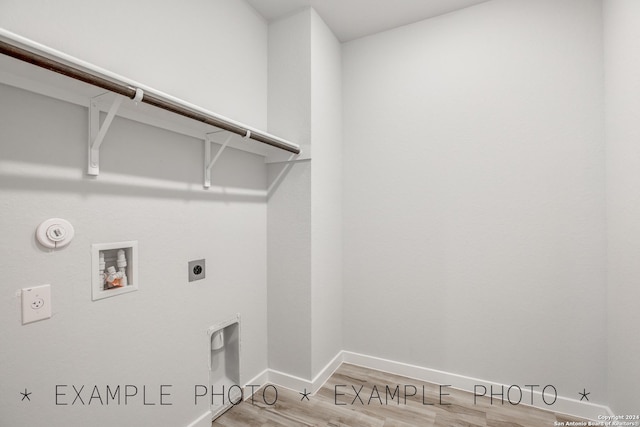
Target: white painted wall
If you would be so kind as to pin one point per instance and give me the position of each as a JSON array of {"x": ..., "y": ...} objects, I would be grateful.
[
  {"x": 326, "y": 194},
  {"x": 153, "y": 336},
  {"x": 149, "y": 190},
  {"x": 305, "y": 210},
  {"x": 474, "y": 206},
  {"x": 289, "y": 205},
  {"x": 210, "y": 53},
  {"x": 289, "y": 78},
  {"x": 622, "y": 67}
]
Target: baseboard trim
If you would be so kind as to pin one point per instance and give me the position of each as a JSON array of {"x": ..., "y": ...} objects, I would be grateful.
[
  {"x": 326, "y": 372},
  {"x": 291, "y": 382},
  {"x": 562, "y": 405},
  {"x": 295, "y": 383},
  {"x": 203, "y": 421},
  {"x": 258, "y": 381}
]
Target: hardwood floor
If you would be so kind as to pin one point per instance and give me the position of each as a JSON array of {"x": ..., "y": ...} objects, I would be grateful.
[{"x": 356, "y": 396}]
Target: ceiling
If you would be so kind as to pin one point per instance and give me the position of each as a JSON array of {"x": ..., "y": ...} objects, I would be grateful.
[{"x": 351, "y": 19}]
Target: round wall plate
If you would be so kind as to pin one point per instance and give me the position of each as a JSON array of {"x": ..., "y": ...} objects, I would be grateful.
[{"x": 55, "y": 233}]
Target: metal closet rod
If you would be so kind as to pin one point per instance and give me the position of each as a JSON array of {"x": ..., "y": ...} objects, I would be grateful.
[{"x": 148, "y": 98}]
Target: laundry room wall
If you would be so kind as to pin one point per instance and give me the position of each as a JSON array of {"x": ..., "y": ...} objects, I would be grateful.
[
  {"x": 150, "y": 190},
  {"x": 212, "y": 54},
  {"x": 305, "y": 206},
  {"x": 622, "y": 67},
  {"x": 474, "y": 206}
]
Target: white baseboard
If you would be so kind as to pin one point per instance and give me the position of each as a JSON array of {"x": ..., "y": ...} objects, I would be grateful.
[
  {"x": 291, "y": 382},
  {"x": 295, "y": 383},
  {"x": 563, "y": 404},
  {"x": 326, "y": 372},
  {"x": 203, "y": 421},
  {"x": 259, "y": 380}
]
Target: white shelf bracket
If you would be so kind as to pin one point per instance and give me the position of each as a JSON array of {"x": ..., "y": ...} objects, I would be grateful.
[
  {"x": 208, "y": 161},
  {"x": 287, "y": 165},
  {"x": 97, "y": 132}
]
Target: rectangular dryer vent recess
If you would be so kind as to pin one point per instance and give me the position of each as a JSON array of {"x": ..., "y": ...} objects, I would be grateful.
[{"x": 196, "y": 270}]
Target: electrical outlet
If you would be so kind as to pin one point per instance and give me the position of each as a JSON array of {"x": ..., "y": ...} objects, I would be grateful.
[
  {"x": 196, "y": 270},
  {"x": 36, "y": 303}
]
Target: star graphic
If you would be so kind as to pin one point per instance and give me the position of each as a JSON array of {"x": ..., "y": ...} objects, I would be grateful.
[
  {"x": 584, "y": 395},
  {"x": 25, "y": 395},
  {"x": 305, "y": 395}
]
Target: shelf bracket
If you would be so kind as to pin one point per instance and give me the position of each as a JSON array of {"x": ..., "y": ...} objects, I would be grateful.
[
  {"x": 208, "y": 161},
  {"x": 287, "y": 165},
  {"x": 97, "y": 132}
]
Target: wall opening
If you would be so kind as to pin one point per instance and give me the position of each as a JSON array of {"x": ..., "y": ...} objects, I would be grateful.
[{"x": 224, "y": 365}]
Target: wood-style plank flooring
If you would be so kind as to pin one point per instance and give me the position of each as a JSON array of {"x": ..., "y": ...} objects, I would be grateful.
[{"x": 339, "y": 407}]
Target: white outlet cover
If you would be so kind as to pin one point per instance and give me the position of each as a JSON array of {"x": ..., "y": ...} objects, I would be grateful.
[{"x": 36, "y": 303}]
